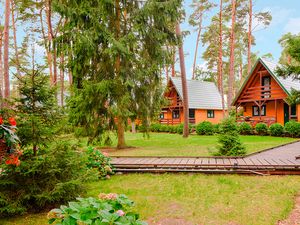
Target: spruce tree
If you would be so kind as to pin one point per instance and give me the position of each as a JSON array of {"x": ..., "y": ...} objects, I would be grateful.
[{"x": 36, "y": 109}]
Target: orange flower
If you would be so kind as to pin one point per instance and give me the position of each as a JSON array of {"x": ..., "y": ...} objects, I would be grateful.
[
  {"x": 1, "y": 120},
  {"x": 12, "y": 121},
  {"x": 13, "y": 160}
]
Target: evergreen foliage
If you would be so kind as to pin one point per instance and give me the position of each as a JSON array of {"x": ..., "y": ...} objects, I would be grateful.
[
  {"x": 36, "y": 108},
  {"x": 205, "y": 128},
  {"x": 292, "y": 128},
  {"x": 116, "y": 55},
  {"x": 261, "y": 129},
  {"x": 245, "y": 128},
  {"x": 229, "y": 140},
  {"x": 54, "y": 176}
]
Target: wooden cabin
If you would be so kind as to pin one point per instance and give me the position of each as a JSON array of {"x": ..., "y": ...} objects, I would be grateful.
[
  {"x": 262, "y": 97},
  {"x": 205, "y": 102}
]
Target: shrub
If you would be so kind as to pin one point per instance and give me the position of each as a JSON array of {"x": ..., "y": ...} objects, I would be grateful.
[
  {"x": 276, "y": 129},
  {"x": 229, "y": 140},
  {"x": 205, "y": 128},
  {"x": 54, "y": 176},
  {"x": 292, "y": 128},
  {"x": 261, "y": 129},
  {"x": 107, "y": 209},
  {"x": 99, "y": 160},
  {"x": 180, "y": 128},
  {"x": 155, "y": 127},
  {"x": 216, "y": 128},
  {"x": 245, "y": 128}
]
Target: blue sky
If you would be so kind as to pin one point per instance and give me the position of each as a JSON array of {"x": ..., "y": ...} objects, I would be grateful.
[{"x": 286, "y": 18}]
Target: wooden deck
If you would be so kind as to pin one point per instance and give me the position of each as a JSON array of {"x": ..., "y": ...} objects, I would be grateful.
[{"x": 277, "y": 161}]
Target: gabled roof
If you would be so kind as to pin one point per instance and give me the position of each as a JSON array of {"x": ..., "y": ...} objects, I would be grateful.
[
  {"x": 287, "y": 83},
  {"x": 201, "y": 94}
]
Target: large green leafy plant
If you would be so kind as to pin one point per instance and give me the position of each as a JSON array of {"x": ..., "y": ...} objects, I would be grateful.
[{"x": 107, "y": 209}]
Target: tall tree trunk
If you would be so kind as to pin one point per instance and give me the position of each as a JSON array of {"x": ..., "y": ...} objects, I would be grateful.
[
  {"x": 1, "y": 62},
  {"x": 220, "y": 59},
  {"x": 197, "y": 45},
  {"x": 184, "y": 85},
  {"x": 6, "y": 50},
  {"x": 62, "y": 79},
  {"x": 231, "y": 59},
  {"x": 14, "y": 26},
  {"x": 52, "y": 50},
  {"x": 47, "y": 48},
  {"x": 249, "y": 36},
  {"x": 121, "y": 133},
  {"x": 173, "y": 73},
  {"x": 133, "y": 127}
]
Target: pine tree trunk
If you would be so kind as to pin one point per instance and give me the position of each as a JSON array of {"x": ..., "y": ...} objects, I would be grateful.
[
  {"x": 184, "y": 85},
  {"x": 15, "y": 37},
  {"x": 231, "y": 58},
  {"x": 249, "y": 36},
  {"x": 6, "y": 50},
  {"x": 62, "y": 80},
  {"x": 47, "y": 47},
  {"x": 173, "y": 73},
  {"x": 220, "y": 59},
  {"x": 197, "y": 45},
  {"x": 51, "y": 50},
  {"x": 121, "y": 133},
  {"x": 1, "y": 63}
]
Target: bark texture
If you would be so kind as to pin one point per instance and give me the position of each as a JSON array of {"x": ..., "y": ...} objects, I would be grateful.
[
  {"x": 249, "y": 36},
  {"x": 6, "y": 50}
]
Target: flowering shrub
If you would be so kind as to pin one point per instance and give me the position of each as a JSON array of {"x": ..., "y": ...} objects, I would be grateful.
[
  {"x": 9, "y": 142},
  {"x": 101, "y": 161},
  {"x": 106, "y": 209}
]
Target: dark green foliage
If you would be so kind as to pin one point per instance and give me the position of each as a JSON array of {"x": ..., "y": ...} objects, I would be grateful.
[
  {"x": 276, "y": 129},
  {"x": 96, "y": 159},
  {"x": 205, "y": 128},
  {"x": 261, "y": 129},
  {"x": 116, "y": 60},
  {"x": 245, "y": 128},
  {"x": 107, "y": 209},
  {"x": 217, "y": 128},
  {"x": 36, "y": 108},
  {"x": 229, "y": 140},
  {"x": 292, "y": 128},
  {"x": 52, "y": 177}
]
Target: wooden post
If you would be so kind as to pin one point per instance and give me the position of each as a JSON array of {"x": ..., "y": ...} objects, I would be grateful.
[
  {"x": 259, "y": 107},
  {"x": 275, "y": 110}
]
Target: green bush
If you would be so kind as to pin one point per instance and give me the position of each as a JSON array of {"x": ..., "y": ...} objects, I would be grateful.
[
  {"x": 180, "y": 128},
  {"x": 217, "y": 128},
  {"x": 107, "y": 209},
  {"x": 292, "y": 128},
  {"x": 96, "y": 159},
  {"x": 54, "y": 176},
  {"x": 229, "y": 140},
  {"x": 155, "y": 127},
  {"x": 205, "y": 128},
  {"x": 261, "y": 129},
  {"x": 276, "y": 129},
  {"x": 245, "y": 128}
]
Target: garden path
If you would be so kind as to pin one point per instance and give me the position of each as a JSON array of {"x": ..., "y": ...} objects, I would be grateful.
[{"x": 279, "y": 160}]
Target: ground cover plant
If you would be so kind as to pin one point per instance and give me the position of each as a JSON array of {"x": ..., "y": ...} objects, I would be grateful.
[{"x": 194, "y": 198}]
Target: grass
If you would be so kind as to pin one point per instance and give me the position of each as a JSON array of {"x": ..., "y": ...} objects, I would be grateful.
[
  {"x": 197, "y": 199},
  {"x": 163, "y": 144}
]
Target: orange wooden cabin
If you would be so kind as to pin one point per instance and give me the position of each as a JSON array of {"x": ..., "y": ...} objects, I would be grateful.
[
  {"x": 205, "y": 102},
  {"x": 262, "y": 97}
]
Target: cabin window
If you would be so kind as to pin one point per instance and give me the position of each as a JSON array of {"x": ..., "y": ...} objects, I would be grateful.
[
  {"x": 210, "y": 113},
  {"x": 175, "y": 114},
  {"x": 255, "y": 111},
  {"x": 162, "y": 116},
  {"x": 192, "y": 113},
  {"x": 266, "y": 81}
]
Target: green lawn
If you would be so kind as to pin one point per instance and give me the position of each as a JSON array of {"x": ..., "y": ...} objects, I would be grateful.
[
  {"x": 163, "y": 144},
  {"x": 198, "y": 199}
]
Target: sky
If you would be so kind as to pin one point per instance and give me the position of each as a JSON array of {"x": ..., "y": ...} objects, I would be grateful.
[{"x": 286, "y": 18}]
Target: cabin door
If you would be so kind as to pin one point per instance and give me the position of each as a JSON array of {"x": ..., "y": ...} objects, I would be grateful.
[{"x": 286, "y": 113}]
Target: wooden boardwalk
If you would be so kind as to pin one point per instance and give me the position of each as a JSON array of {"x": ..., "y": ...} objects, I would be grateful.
[{"x": 280, "y": 160}]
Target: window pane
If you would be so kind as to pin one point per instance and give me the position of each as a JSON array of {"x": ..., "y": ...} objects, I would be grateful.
[{"x": 191, "y": 113}]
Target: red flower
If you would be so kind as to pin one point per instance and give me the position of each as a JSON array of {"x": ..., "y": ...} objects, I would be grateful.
[
  {"x": 1, "y": 120},
  {"x": 12, "y": 121},
  {"x": 13, "y": 160}
]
